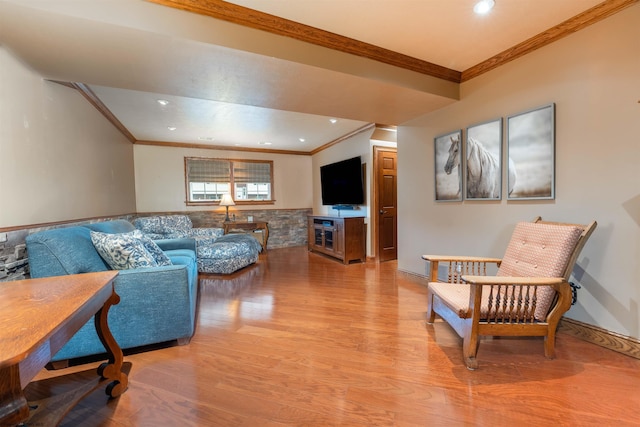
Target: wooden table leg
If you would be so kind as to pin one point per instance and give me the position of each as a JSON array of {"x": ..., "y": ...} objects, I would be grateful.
[
  {"x": 13, "y": 404},
  {"x": 111, "y": 370}
]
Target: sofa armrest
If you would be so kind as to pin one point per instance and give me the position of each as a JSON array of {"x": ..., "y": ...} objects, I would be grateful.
[
  {"x": 157, "y": 304},
  {"x": 182, "y": 243}
]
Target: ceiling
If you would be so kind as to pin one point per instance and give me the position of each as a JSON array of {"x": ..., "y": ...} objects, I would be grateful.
[{"x": 270, "y": 74}]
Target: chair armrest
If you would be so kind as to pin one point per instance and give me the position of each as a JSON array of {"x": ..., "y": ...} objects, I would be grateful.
[
  {"x": 455, "y": 258},
  {"x": 182, "y": 243},
  {"x": 459, "y": 265},
  {"x": 507, "y": 280}
]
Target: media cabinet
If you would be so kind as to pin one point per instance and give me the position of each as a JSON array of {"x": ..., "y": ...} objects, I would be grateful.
[{"x": 341, "y": 238}]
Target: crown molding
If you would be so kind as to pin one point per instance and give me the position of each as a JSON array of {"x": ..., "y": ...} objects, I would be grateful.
[
  {"x": 568, "y": 27},
  {"x": 251, "y": 18},
  {"x": 244, "y": 16},
  {"x": 93, "y": 99}
]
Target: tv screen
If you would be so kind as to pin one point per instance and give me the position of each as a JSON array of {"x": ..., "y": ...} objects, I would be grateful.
[{"x": 342, "y": 183}]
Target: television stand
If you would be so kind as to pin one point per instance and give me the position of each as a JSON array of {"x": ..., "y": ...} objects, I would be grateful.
[{"x": 341, "y": 238}]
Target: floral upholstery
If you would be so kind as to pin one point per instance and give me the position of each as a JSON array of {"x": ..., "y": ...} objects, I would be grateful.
[
  {"x": 123, "y": 251},
  {"x": 228, "y": 254},
  {"x": 174, "y": 227},
  {"x": 216, "y": 252}
]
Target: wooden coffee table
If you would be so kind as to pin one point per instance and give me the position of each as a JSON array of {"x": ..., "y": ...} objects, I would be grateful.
[{"x": 38, "y": 316}]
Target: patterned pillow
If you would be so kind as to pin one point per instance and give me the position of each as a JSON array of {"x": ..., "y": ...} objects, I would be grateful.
[
  {"x": 122, "y": 251},
  {"x": 161, "y": 258}
]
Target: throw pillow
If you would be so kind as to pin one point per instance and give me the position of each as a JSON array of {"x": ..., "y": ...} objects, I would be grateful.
[
  {"x": 151, "y": 247},
  {"x": 122, "y": 251}
]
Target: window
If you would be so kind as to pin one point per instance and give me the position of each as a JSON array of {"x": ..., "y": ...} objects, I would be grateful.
[{"x": 248, "y": 181}]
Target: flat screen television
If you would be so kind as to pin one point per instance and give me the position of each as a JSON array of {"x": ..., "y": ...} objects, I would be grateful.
[{"x": 342, "y": 183}]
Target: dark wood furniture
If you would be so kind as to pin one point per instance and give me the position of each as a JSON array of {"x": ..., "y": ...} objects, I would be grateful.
[
  {"x": 261, "y": 226},
  {"x": 341, "y": 238},
  {"x": 38, "y": 316}
]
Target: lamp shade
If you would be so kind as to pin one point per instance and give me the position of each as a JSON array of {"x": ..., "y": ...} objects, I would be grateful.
[{"x": 227, "y": 200}]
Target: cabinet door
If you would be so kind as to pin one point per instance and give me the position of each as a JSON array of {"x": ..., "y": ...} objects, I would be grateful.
[
  {"x": 318, "y": 236},
  {"x": 338, "y": 241},
  {"x": 329, "y": 238}
]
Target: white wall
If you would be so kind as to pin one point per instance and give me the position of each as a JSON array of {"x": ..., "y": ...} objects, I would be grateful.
[
  {"x": 60, "y": 159},
  {"x": 593, "y": 76},
  {"x": 160, "y": 180}
]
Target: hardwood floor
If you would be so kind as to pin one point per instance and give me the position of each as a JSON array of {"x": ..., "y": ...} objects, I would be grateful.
[{"x": 302, "y": 340}]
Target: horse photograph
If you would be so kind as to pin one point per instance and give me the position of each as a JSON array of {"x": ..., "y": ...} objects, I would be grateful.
[
  {"x": 448, "y": 166},
  {"x": 483, "y": 154},
  {"x": 531, "y": 145}
]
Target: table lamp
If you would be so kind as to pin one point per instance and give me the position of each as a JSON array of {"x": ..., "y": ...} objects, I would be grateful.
[{"x": 227, "y": 201}]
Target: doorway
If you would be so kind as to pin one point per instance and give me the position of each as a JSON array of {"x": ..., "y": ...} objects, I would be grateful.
[{"x": 385, "y": 198}]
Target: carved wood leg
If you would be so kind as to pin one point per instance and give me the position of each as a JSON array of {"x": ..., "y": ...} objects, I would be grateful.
[
  {"x": 111, "y": 370},
  {"x": 13, "y": 405}
]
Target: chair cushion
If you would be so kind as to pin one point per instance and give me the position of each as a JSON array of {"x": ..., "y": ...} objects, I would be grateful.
[
  {"x": 540, "y": 250},
  {"x": 456, "y": 297}
]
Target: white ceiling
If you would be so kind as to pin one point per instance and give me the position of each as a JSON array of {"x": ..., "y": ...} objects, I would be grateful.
[{"x": 234, "y": 86}]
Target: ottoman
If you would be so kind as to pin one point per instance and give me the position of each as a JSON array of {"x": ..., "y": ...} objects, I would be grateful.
[{"x": 227, "y": 253}]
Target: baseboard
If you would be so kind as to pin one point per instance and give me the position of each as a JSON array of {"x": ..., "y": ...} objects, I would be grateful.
[{"x": 595, "y": 335}]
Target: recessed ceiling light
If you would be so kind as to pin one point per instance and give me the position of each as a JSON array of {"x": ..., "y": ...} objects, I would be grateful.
[
  {"x": 333, "y": 120},
  {"x": 483, "y": 6},
  {"x": 163, "y": 102},
  {"x": 301, "y": 139},
  {"x": 172, "y": 127}
]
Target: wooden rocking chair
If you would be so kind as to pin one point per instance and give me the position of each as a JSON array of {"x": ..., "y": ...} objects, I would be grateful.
[{"x": 528, "y": 295}]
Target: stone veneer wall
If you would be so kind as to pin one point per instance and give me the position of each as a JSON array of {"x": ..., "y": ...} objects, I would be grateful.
[{"x": 287, "y": 227}]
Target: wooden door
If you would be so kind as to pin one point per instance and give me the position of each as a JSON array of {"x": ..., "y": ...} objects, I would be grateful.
[{"x": 386, "y": 199}]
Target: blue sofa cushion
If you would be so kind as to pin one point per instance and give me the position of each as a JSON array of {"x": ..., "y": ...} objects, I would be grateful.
[
  {"x": 63, "y": 251},
  {"x": 113, "y": 227}
]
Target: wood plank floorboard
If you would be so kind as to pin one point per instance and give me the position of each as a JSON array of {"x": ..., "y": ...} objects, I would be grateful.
[{"x": 302, "y": 340}]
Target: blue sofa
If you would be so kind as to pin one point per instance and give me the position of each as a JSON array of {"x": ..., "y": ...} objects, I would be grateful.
[{"x": 157, "y": 304}]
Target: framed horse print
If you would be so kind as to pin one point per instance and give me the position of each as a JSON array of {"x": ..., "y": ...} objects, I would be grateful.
[
  {"x": 448, "y": 166},
  {"x": 483, "y": 159},
  {"x": 531, "y": 151}
]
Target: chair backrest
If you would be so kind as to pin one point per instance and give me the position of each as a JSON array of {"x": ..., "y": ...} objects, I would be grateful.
[{"x": 544, "y": 249}]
